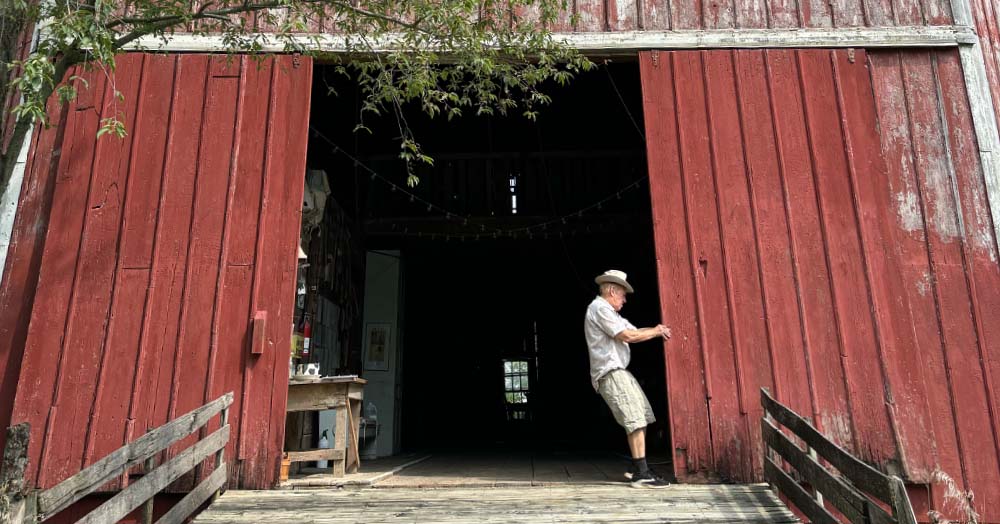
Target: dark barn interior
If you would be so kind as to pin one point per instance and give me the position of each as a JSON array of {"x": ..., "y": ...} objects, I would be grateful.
[{"x": 499, "y": 243}]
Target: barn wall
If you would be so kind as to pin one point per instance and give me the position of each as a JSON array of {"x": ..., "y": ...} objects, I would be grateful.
[
  {"x": 984, "y": 15},
  {"x": 661, "y": 15},
  {"x": 822, "y": 230},
  {"x": 24, "y": 254},
  {"x": 159, "y": 247}
]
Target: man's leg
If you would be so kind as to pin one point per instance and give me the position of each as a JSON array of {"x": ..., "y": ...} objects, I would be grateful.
[{"x": 637, "y": 443}]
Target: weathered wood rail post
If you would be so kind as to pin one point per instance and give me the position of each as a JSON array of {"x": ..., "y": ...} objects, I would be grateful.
[
  {"x": 854, "y": 492},
  {"x": 15, "y": 499},
  {"x": 21, "y": 505}
]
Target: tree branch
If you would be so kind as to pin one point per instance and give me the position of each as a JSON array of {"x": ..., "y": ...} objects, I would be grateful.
[{"x": 151, "y": 25}]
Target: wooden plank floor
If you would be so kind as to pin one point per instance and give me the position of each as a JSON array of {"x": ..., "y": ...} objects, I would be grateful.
[
  {"x": 512, "y": 469},
  {"x": 523, "y": 505}
]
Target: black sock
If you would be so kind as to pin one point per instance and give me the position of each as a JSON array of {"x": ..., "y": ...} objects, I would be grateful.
[{"x": 640, "y": 465}]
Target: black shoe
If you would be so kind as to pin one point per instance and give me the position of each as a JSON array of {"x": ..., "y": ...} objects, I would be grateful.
[{"x": 648, "y": 480}]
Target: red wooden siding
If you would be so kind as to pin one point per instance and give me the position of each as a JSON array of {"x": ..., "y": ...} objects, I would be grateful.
[
  {"x": 822, "y": 230},
  {"x": 987, "y": 24},
  {"x": 17, "y": 291},
  {"x": 661, "y": 15},
  {"x": 160, "y": 247}
]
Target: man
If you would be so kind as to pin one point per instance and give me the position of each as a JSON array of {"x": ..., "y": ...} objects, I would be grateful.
[{"x": 608, "y": 338}]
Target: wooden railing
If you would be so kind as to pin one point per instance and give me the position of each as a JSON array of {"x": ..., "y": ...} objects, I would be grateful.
[
  {"x": 18, "y": 504},
  {"x": 859, "y": 492}
]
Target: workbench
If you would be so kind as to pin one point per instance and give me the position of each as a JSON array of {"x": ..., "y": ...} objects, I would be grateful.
[{"x": 342, "y": 394}]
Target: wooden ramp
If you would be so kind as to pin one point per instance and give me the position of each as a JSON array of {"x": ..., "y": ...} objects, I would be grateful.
[{"x": 526, "y": 505}]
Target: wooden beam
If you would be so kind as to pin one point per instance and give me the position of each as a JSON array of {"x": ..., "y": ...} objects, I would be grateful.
[
  {"x": 208, "y": 487},
  {"x": 845, "y": 498},
  {"x": 797, "y": 495},
  {"x": 15, "y": 504},
  {"x": 152, "y": 483},
  {"x": 67, "y": 492},
  {"x": 315, "y": 454},
  {"x": 902, "y": 510},
  {"x": 625, "y": 42},
  {"x": 862, "y": 475}
]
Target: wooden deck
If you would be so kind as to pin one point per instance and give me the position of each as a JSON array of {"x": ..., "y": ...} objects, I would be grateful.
[{"x": 525, "y": 505}]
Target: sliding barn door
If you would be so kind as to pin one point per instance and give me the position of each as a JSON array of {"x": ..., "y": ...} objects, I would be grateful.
[
  {"x": 162, "y": 246},
  {"x": 775, "y": 229}
]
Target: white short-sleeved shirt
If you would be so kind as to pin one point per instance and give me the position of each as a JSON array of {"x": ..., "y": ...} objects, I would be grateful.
[{"x": 600, "y": 326}]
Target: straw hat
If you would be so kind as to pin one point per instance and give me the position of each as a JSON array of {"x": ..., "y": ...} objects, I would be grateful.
[{"x": 615, "y": 277}]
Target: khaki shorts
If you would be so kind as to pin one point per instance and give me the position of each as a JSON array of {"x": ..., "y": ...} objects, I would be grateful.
[{"x": 628, "y": 403}]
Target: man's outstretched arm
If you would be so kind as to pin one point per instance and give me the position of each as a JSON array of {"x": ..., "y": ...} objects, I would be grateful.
[{"x": 631, "y": 336}]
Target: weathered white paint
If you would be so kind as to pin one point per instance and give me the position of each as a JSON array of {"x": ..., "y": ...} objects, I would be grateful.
[
  {"x": 10, "y": 198},
  {"x": 908, "y": 211},
  {"x": 983, "y": 116},
  {"x": 632, "y": 41},
  {"x": 12, "y": 195}
]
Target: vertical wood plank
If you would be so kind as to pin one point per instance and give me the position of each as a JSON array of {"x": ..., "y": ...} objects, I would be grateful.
[
  {"x": 36, "y": 388},
  {"x": 979, "y": 243},
  {"x": 687, "y": 15},
  {"x": 239, "y": 326},
  {"x": 879, "y": 13},
  {"x": 119, "y": 351},
  {"x": 24, "y": 253},
  {"x": 955, "y": 305},
  {"x": 789, "y": 376},
  {"x": 908, "y": 12},
  {"x": 655, "y": 15},
  {"x": 816, "y": 13},
  {"x": 692, "y": 110},
  {"x": 902, "y": 367},
  {"x": 937, "y": 12},
  {"x": 752, "y": 15},
  {"x": 141, "y": 233},
  {"x": 718, "y": 14},
  {"x": 909, "y": 238},
  {"x": 738, "y": 232},
  {"x": 284, "y": 170},
  {"x": 171, "y": 251},
  {"x": 591, "y": 14},
  {"x": 813, "y": 294},
  {"x": 242, "y": 243},
  {"x": 848, "y": 13},
  {"x": 90, "y": 312},
  {"x": 844, "y": 260},
  {"x": 214, "y": 156},
  {"x": 687, "y": 398},
  {"x": 784, "y": 13},
  {"x": 784, "y": 355},
  {"x": 293, "y": 88},
  {"x": 622, "y": 15}
]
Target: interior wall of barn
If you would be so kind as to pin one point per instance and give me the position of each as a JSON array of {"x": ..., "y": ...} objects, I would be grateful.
[
  {"x": 473, "y": 297},
  {"x": 150, "y": 253},
  {"x": 838, "y": 249}
]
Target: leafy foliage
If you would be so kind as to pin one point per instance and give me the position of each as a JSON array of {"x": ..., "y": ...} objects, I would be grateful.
[{"x": 449, "y": 57}]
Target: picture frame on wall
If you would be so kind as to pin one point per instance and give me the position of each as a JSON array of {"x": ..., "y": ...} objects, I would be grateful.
[{"x": 377, "y": 338}]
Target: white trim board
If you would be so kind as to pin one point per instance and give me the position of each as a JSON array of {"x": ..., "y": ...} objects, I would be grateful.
[
  {"x": 984, "y": 119},
  {"x": 632, "y": 41}
]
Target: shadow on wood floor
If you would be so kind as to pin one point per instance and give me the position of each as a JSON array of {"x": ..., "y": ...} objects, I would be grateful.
[{"x": 488, "y": 488}]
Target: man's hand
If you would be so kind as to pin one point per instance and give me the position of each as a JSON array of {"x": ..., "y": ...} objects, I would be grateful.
[{"x": 664, "y": 331}]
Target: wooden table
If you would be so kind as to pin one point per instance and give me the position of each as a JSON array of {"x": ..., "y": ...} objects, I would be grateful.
[{"x": 342, "y": 394}]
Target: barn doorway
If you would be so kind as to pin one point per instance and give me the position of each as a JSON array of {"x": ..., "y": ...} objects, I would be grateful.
[{"x": 461, "y": 299}]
